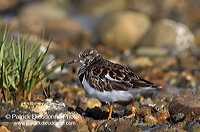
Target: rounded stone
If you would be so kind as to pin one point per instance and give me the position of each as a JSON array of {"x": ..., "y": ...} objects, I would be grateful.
[
  {"x": 162, "y": 115},
  {"x": 151, "y": 51},
  {"x": 188, "y": 104},
  {"x": 98, "y": 7},
  {"x": 82, "y": 127},
  {"x": 109, "y": 125},
  {"x": 38, "y": 13},
  {"x": 123, "y": 30},
  {"x": 145, "y": 111},
  {"x": 92, "y": 102},
  {"x": 95, "y": 113},
  {"x": 92, "y": 125},
  {"x": 77, "y": 117},
  {"x": 126, "y": 126},
  {"x": 105, "y": 108},
  {"x": 167, "y": 33},
  {"x": 149, "y": 119},
  {"x": 4, "y": 129}
]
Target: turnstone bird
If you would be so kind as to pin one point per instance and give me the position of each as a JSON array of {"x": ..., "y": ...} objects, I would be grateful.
[{"x": 108, "y": 81}]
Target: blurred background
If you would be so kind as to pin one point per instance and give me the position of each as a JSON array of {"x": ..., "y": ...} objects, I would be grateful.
[{"x": 159, "y": 40}]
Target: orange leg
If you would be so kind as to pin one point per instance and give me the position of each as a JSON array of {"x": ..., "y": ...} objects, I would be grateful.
[
  {"x": 110, "y": 111},
  {"x": 132, "y": 110}
]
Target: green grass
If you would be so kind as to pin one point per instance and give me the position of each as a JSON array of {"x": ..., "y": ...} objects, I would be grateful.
[{"x": 20, "y": 66}]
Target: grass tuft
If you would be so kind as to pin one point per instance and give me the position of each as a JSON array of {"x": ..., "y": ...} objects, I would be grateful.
[{"x": 20, "y": 66}]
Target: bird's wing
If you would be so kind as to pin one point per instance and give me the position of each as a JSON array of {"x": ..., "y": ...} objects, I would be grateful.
[{"x": 116, "y": 77}]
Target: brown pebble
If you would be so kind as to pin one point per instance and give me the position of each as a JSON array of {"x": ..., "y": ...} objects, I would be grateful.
[
  {"x": 92, "y": 102},
  {"x": 105, "y": 108},
  {"x": 82, "y": 127},
  {"x": 108, "y": 125},
  {"x": 64, "y": 90},
  {"x": 145, "y": 111},
  {"x": 187, "y": 104},
  {"x": 77, "y": 117},
  {"x": 162, "y": 115},
  {"x": 125, "y": 126},
  {"x": 92, "y": 125},
  {"x": 150, "y": 119},
  {"x": 4, "y": 129},
  {"x": 136, "y": 105},
  {"x": 161, "y": 103}
]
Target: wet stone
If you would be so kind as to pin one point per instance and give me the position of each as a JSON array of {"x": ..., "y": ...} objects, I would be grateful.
[
  {"x": 77, "y": 117},
  {"x": 70, "y": 109},
  {"x": 104, "y": 115},
  {"x": 162, "y": 115},
  {"x": 92, "y": 102},
  {"x": 79, "y": 110},
  {"x": 105, "y": 108},
  {"x": 196, "y": 128},
  {"x": 149, "y": 119},
  {"x": 81, "y": 101},
  {"x": 119, "y": 109},
  {"x": 109, "y": 125},
  {"x": 145, "y": 111},
  {"x": 177, "y": 118},
  {"x": 161, "y": 103},
  {"x": 125, "y": 126},
  {"x": 82, "y": 127},
  {"x": 95, "y": 113},
  {"x": 92, "y": 125},
  {"x": 187, "y": 104},
  {"x": 115, "y": 24},
  {"x": 4, "y": 129}
]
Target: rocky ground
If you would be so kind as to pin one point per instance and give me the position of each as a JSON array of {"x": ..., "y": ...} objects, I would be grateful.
[{"x": 158, "y": 40}]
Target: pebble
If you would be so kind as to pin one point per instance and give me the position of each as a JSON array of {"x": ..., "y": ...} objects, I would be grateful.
[
  {"x": 38, "y": 13},
  {"x": 96, "y": 8},
  {"x": 105, "y": 108},
  {"x": 196, "y": 128},
  {"x": 42, "y": 106},
  {"x": 4, "y": 129},
  {"x": 109, "y": 125},
  {"x": 150, "y": 119},
  {"x": 92, "y": 125},
  {"x": 140, "y": 62},
  {"x": 81, "y": 101},
  {"x": 188, "y": 104},
  {"x": 177, "y": 117},
  {"x": 136, "y": 105},
  {"x": 82, "y": 127},
  {"x": 145, "y": 111},
  {"x": 79, "y": 110},
  {"x": 178, "y": 37},
  {"x": 65, "y": 90},
  {"x": 117, "y": 30},
  {"x": 162, "y": 115},
  {"x": 162, "y": 104},
  {"x": 95, "y": 113},
  {"x": 125, "y": 126},
  {"x": 151, "y": 51},
  {"x": 147, "y": 101},
  {"x": 77, "y": 117},
  {"x": 92, "y": 102}
]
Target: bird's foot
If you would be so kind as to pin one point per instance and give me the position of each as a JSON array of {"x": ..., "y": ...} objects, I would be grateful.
[{"x": 129, "y": 116}]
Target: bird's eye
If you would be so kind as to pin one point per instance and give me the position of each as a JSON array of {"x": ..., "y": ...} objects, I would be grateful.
[{"x": 86, "y": 55}]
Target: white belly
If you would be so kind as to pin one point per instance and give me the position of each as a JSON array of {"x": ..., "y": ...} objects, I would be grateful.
[{"x": 107, "y": 96}]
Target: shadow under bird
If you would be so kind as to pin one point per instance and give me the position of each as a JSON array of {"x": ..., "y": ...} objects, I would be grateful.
[{"x": 108, "y": 81}]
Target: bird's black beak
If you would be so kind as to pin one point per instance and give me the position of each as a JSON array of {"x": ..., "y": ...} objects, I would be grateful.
[{"x": 74, "y": 61}]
